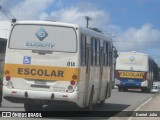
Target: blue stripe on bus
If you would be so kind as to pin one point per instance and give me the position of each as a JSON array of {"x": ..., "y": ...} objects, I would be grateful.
[{"x": 130, "y": 82}]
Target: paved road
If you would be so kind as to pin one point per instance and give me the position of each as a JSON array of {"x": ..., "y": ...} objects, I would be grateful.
[{"x": 119, "y": 101}]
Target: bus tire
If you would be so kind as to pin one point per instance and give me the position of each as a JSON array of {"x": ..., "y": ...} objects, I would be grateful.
[
  {"x": 89, "y": 108},
  {"x": 120, "y": 89},
  {"x": 125, "y": 89},
  {"x": 145, "y": 90},
  {"x": 149, "y": 89},
  {"x": 32, "y": 107}
]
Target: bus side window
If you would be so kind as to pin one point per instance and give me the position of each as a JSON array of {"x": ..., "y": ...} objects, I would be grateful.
[
  {"x": 109, "y": 55},
  {"x": 93, "y": 55},
  {"x": 106, "y": 53},
  {"x": 98, "y": 52},
  {"x": 95, "y": 51},
  {"x": 83, "y": 50}
]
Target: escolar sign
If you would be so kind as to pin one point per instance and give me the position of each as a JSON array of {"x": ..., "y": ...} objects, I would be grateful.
[
  {"x": 41, "y": 72},
  {"x": 124, "y": 74}
]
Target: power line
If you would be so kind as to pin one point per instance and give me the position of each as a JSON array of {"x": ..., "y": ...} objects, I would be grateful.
[{"x": 7, "y": 13}]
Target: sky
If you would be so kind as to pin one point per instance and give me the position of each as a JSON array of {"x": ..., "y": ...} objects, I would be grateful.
[{"x": 134, "y": 24}]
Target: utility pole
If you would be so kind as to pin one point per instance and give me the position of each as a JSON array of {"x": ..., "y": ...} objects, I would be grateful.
[{"x": 88, "y": 19}]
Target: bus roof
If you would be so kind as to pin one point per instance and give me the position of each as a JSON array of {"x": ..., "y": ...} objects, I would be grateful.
[
  {"x": 47, "y": 23},
  {"x": 95, "y": 34}
]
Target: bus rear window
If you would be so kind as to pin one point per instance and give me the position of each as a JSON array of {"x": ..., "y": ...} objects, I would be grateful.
[{"x": 41, "y": 37}]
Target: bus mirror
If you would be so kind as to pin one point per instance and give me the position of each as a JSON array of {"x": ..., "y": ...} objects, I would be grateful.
[{"x": 115, "y": 54}]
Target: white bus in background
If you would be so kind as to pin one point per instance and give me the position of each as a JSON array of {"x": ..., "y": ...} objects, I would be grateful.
[
  {"x": 134, "y": 70},
  {"x": 50, "y": 61}
]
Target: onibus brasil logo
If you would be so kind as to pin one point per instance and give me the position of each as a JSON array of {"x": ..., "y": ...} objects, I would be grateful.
[{"x": 41, "y": 34}]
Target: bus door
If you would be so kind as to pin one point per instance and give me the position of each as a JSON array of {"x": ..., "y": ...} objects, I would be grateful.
[{"x": 88, "y": 63}]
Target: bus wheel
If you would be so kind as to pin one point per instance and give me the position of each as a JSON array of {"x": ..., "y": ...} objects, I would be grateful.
[
  {"x": 125, "y": 89},
  {"x": 120, "y": 89},
  {"x": 145, "y": 90},
  {"x": 148, "y": 90},
  {"x": 89, "y": 108},
  {"x": 32, "y": 107}
]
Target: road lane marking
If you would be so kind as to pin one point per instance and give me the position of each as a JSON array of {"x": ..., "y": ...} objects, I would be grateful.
[{"x": 138, "y": 108}]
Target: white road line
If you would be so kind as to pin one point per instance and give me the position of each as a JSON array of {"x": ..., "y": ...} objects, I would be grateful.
[{"x": 138, "y": 108}]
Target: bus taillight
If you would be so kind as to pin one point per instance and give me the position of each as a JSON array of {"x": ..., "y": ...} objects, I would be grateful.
[
  {"x": 8, "y": 78},
  {"x": 7, "y": 74},
  {"x": 117, "y": 75},
  {"x": 74, "y": 77},
  {"x": 144, "y": 76},
  {"x": 72, "y": 82}
]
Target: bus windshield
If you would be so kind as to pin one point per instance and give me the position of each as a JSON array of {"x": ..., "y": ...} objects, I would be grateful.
[{"x": 43, "y": 37}]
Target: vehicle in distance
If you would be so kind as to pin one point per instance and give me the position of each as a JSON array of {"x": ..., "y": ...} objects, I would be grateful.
[{"x": 134, "y": 70}]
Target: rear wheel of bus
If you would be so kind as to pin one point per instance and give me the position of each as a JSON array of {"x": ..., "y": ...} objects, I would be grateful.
[
  {"x": 90, "y": 103},
  {"x": 91, "y": 100},
  {"x": 145, "y": 90},
  {"x": 120, "y": 89}
]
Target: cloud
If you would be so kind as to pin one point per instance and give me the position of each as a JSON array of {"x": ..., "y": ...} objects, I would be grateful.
[
  {"x": 32, "y": 9},
  {"x": 145, "y": 40},
  {"x": 142, "y": 39},
  {"x": 55, "y": 10},
  {"x": 4, "y": 29},
  {"x": 27, "y": 9},
  {"x": 9, "y": 4},
  {"x": 77, "y": 16}
]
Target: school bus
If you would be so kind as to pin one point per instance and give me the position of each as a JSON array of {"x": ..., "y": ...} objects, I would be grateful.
[
  {"x": 134, "y": 70},
  {"x": 57, "y": 62}
]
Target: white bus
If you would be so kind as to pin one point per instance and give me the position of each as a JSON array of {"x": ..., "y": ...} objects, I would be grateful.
[
  {"x": 50, "y": 61},
  {"x": 134, "y": 70}
]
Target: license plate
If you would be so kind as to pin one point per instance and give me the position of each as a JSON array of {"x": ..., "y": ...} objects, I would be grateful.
[
  {"x": 130, "y": 80},
  {"x": 40, "y": 83}
]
